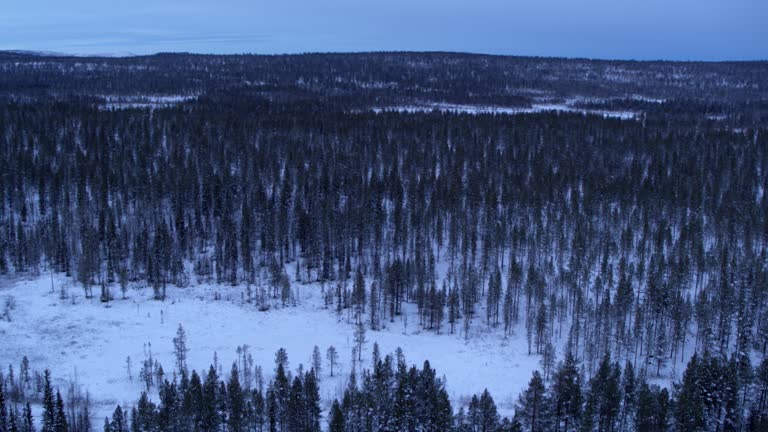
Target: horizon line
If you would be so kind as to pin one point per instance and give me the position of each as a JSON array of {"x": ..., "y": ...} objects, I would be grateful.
[{"x": 128, "y": 55}]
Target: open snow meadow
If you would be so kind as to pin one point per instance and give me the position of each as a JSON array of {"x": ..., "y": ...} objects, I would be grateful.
[{"x": 88, "y": 342}]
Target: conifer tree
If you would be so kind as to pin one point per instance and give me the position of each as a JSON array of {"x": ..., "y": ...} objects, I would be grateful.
[
  {"x": 488, "y": 415},
  {"x": 629, "y": 390},
  {"x": 566, "y": 389},
  {"x": 333, "y": 357},
  {"x": 49, "y": 405},
  {"x": 312, "y": 403},
  {"x": 605, "y": 394},
  {"x": 689, "y": 410},
  {"x": 60, "y": 420},
  {"x": 3, "y": 408},
  {"x": 531, "y": 408},
  {"x": 360, "y": 340},
  {"x": 236, "y": 402},
  {"x": 317, "y": 362},
  {"x": 180, "y": 350},
  {"x": 28, "y": 423},
  {"x": 119, "y": 421},
  {"x": 13, "y": 420},
  {"x": 336, "y": 418},
  {"x": 209, "y": 416}
]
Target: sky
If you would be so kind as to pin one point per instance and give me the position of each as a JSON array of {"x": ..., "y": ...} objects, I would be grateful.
[{"x": 608, "y": 29}]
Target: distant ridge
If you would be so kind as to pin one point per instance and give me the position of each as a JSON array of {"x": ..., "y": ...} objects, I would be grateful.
[{"x": 459, "y": 54}]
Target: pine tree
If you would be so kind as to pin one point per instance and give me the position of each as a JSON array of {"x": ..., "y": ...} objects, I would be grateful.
[
  {"x": 548, "y": 359},
  {"x": 333, "y": 357},
  {"x": 236, "y": 402},
  {"x": 628, "y": 387},
  {"x": 541, "y": 326},
  {"x": 28, "y": 423},
  {"x": 566, "y": 389},
  {"x": 295, "y": 409},
  {"x": 406, "y": 403},
  {"x": 531, "y": 409},
  {"x": 119, "y": 421},
  {"x": 60, "y": 420},
  {"x": 209, "y": 417},
  {"x": 49, "y": 405},
  {"x": 259, "y": 411},
  {"x": 180, "y": 350},
  {"x": 360, "y": 340},
  {"x": 689, "y": 410},
  {"x": 453, "y": 309},
  {"x": 3, "y": 408},
  {"x": 494, "y": 297},
  {"x": 645, "y": 416},
  {"x": 358, "y": 295},
  {"x": 272, "y": 414},
  {"x": 317, "y": 362},
  {"x": 146, "y": 413},
  {"x": 373, "y": 306},
  {"x": 281, "y": 391},
  {"x": 336, "y": 418},
  {"x": 281, "y": 359},
  {"x": 13, "y": 420},
  {"x": 652, "y": 408},
  {"x": 605, "y": 394},
  {"x": 312, "y": 403},
  {"x": 508, "y": 310},
  {"x": 488, "y": 415}
]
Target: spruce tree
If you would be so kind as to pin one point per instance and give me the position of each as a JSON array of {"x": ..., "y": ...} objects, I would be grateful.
[
  {"x": 336, "y": 418},
  {"x": 49, "y": 405},
  {"x": 236, "y": 402},
  {"x": 209, "y": 416},
  {"x": 119, "y": 421},
  {"x": 488, "y": 415},
  {"x": 60, "y": 420},
  {"x": 605, "y": 394},
  {"x": 311, "y": 403},
  {"x": 180, "y": 350},
  {"x": 566, "y": 389},
  {"x": 629, "y": 389},
  {"x": 317, "y": 363},
  {"x": 333, "y": 357},
  {"x": 3, "y": 408},
  {"x": 13, "y": 421},
  {"x": 531, "y": 408},
  {"x": 28, "y": 422},
  {"x": 689, "y": 410}
]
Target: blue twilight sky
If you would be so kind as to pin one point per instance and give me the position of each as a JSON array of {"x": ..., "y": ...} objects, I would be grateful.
[{"x": 636, "y": 29}]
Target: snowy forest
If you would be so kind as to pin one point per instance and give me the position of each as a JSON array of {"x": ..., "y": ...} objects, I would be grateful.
[{"x": 613, "y": 215}]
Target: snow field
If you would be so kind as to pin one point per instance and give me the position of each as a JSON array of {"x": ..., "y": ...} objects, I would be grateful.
[{"x": 88, "y": 341}]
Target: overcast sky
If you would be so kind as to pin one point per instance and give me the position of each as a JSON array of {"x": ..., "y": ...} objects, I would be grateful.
[{"x": 636, "y": 29}]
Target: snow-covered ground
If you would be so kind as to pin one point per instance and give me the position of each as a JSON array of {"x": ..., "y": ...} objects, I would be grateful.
[
  {"x": 90, "y": 341},
  {"x": 495, "y": 109},
  {"x": 115, "y": 102}
]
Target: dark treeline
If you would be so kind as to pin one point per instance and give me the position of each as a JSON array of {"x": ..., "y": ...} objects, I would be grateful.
[
  {"x": 381, "y": 78},
  {"x": 19, "y": 394},
  {"x": 713, "y": 395}
]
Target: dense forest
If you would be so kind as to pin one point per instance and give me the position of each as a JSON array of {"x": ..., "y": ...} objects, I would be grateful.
[{"x": 634, "y": 246}]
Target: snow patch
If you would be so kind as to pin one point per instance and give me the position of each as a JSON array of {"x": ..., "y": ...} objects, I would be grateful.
[
  {"x": 495, "y": 109},
  {"x": 115, "y": 102},
  {"x": 89, "y": 341}
]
